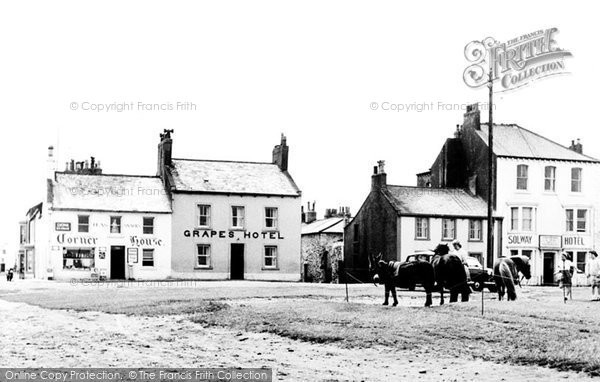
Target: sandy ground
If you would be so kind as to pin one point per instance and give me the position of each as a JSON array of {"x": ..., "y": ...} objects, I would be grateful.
[{"x": 32, "y": 336}]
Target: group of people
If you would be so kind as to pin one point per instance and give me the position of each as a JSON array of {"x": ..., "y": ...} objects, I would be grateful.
[{"x": 566, "y": 270}]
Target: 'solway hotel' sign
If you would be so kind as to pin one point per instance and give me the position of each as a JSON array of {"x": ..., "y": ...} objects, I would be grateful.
[{"x": 515, "y": 63}]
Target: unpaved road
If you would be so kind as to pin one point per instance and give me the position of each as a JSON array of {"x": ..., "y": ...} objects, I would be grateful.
[{"x": 32, "y": 336}]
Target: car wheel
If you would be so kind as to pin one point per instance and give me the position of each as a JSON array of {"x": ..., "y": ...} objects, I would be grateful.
[{"x": 477, "y": 287}]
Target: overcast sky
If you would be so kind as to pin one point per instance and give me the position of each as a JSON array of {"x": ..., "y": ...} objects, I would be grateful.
[{"x": 254, "y": 70}]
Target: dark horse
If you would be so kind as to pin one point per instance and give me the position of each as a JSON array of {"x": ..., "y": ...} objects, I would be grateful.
[
  {"x": 506, "y": 274},
  {"x": 450, "y": 274},
  {"x": 396, "y": 274}
]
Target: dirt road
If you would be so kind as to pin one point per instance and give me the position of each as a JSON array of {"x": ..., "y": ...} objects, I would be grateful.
[{"x": 32, "y": 336}]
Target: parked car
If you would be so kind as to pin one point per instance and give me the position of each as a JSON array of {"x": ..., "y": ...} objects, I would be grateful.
[{"x": 480, "y": 277}]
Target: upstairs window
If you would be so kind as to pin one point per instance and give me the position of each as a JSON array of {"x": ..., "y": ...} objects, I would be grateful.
[
  {"x": 576, "y": 179},
  {"x": 576, "y": 220},
  {"x": 448, "y": 229},
  {"x": 237, "y": 217},
  {"x": 203, "y": 215},
  {"x": 514, "y": 219},
  {"x": 522, "y": 176},
  {"x": 475, "y": 230},
  {"x": 422, "y": 228},
  {"x": 148, "y": 225},
  {"x": 527, "y": 219},
  {"x": 115, "y": 224},
  {"x": 550, "y": 178},
  {"x": 271, "y": 217},
  {"x": 83, "y": 223}
]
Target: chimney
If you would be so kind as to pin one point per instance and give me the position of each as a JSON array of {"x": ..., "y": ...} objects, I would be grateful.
[
  {"x": 472, "y": 117},
  {"x": 379, "y": 177},
  {"x": 457, "y": 133},
  {"x": 302, "y": 214},
  {"x": 165, "y": 150},
  {"x": 280, "y": 154},
  {"x": 577, "y": 147},
  {"x": 311, "y": 214},
  {"x": 51, "y": 163}
]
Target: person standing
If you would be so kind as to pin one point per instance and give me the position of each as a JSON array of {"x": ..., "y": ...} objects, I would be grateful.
[
  {"x": 462, "y": 255},
  {"x": 592, "y": 271},
  {"x": 566, "y": 269}
]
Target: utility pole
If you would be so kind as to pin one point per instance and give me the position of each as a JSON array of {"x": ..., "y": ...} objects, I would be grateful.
[{"x": 490, "y": 194}]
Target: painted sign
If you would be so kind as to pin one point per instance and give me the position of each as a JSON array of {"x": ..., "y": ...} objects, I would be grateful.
[
  {"x": 137, "y": 241},
  {"x": 520, "y": 240},
  {"x": 132, "y": 255},
  {"x": 575, "y": 241},
  {"x": 62, "y": 226},
  {"x": 272, "y": 235},
  {"x": 76, "y": 240},
  {"x": 550, "y": 241}
]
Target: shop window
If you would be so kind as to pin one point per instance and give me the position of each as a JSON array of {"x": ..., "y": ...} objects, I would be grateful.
[
  {"x": 550, "y": 178},
  {"x": 78, "y": 258},
  {"x": 203, "y": 255},
  {"x": 270, "y": 259},
  {"x": 237, "y": 217},
  {"x": 475, "y": 230},
  {"x": 576, "y": 179},
  {"x": 148, "y": 225},
  {"x": 83, "y": 223},
  {"x": 448, "y": 229},
  {"x": 147, "y": 257},
  {"x": 522, "y": 176},
  {"x": 271, "y": 217},
  {"x": 203, "y": 215},
  {"x": 581, "y": 260},
  {"x": 422, "y": 228},
  {"x": 115, "y": 224}
]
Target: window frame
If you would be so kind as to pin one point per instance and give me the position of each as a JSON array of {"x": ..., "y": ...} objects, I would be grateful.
[
  {"x": 531, "y": 223},
  {"x": 151, "y": 251},
  {"x": 243, "y": 218},
  {"x": 274, "y": 219},
  {"x": 120, "y": 225},
  {"x": 444, "y": 237},
  {"x": 208, "y": 256},
  {"x": 144, "y": 225},
  {"x": 573, "y": 223},
  {"x": 576, "y": 181},
  {"x": 520, "y": 177},
  {"x": 273, "y": 257},
  {"x": 550, "y": 180},
  {"x": 471, "y": 230},
  {"x": 79, "y": 224},
  {"x": 427, "y": 228},
  {"x": 199, "y": 215}
]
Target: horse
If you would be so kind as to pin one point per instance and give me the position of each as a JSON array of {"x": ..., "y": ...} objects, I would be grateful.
[
  {"x": 450, "y": 274},
  {"x": 506, "y": 274},
  {"x": 396, "y": 274}
]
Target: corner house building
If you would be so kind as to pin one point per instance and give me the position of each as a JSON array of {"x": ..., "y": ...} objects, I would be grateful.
[
  {"x": 398, "y": 221},
  {"x": 232, "y": 220},
  {"x": 105, "y": 226}
]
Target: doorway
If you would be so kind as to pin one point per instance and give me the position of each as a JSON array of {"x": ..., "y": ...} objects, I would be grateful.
[
  {"x": 549, "y": 267},
  {"x": 237, "y": 262},
  {"x": 117, "y": 262}
]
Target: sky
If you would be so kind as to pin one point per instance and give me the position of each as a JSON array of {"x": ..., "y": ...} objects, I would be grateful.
[{"x": 255, "y": 70}]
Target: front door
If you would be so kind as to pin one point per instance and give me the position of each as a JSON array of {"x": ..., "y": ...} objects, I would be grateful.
[
  {"x": 237, "y": 261},
  {"x": 549, "y": 268},
  {"x": 117, "y": 262}
]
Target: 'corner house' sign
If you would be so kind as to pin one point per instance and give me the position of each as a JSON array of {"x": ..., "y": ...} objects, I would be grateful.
[
  {"x": 273, "y": 235},
  {"x": 75, "y": 240}
]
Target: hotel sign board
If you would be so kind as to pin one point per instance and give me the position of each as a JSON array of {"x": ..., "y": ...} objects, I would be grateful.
[
  {"x": 62, "y": 226},
  {"x": 550, "y": 241}
]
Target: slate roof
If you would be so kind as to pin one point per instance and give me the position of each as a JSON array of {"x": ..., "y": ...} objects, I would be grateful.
[
  {"x": 126, "y": 193},
  {"x": 192, "y": 175},
  {"x": 512, "y": 140},
  {"x": 428, "y": 201},
  {"x": 329, "y": 225}
]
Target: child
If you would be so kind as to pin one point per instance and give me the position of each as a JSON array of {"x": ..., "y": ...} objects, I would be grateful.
[{"x": 566, "y": 269}]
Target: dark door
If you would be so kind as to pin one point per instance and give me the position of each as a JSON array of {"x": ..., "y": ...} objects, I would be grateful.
[
  {"x": 548, "y": 268},
  {"x": 117, "y": 262},
  {"x": 237, "y": 261}
]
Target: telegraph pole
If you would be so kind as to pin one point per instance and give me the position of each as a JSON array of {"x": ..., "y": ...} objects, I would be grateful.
[{"x": 490, "y": 193}]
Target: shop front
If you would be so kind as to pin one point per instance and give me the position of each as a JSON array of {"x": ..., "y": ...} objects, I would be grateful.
[
  {"x": 526, "y": 244},
  {"x": 578, "y": 247},
  {"x": 550, "y": 248}
]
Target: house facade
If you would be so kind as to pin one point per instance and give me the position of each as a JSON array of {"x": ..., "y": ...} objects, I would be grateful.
[
  {"x": 398, "y": 221},
  {"x": 231, "y": 219},
  {"x": 546, "y": 193}
]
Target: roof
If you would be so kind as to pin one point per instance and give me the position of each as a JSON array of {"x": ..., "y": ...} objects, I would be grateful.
[
  {"x": 429, "y": 201},
  {"x": 124, "y": 193},
  {"x": 511, "y": 140},
  {"x": 329, "y": 225},
  {"x": 193, "y": 175}
]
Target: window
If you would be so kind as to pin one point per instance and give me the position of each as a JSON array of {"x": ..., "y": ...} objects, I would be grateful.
[
  {"x": 355, "y": 239},
  {"x": 271, "y": 217},
  {"x": 550, "y": 178},
  {"x": 148, "y": 225},
  {"x": 83, "y": 223},
  {"x": 575, "y": 179},
  {"x": 514, "y": 252},
  {"x": 478, "y": 256},
  {"x": 203, "y": 256},
  {"x": 422, "y": 228},
  {"x": 147, "y": 257},
  {"x": 576, "y": 220},
  {"x": 522, "y": 173},
  {"x": 581, "y": 220},
  {"x": 22, "y": 234},
  {"x": 526, "y": 252},
  {"x": 527, "y": 219},
  {"x": 115, "y": 224},
  {"x": 448, "y": 229},
  {"x": 475, "y": 230},
  {"x": 581, "y": 260},
  {"x": 203, "y": 215},
  {"x": 514, "y": 219},
  {"x": 78, "y": 258},
  {"x": 237, "y": 217},
  {"x": 270, "y": 256}
]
